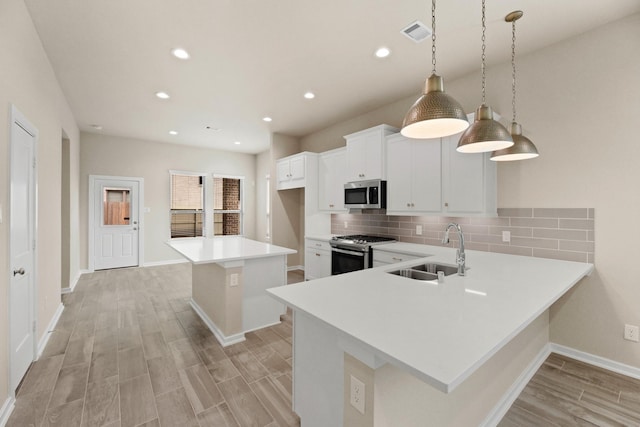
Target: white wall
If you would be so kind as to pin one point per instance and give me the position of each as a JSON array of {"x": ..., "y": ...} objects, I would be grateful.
[
  {"x": 117, "y": 156},
  {"x": 28, "y": 81},
  {"x": 263, "y": 168}
]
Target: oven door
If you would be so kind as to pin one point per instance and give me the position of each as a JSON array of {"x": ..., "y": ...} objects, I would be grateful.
[{"x": 345, "y": 261}]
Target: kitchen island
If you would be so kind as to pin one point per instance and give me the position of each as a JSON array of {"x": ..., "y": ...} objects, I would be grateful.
[
  {"x": 229, "y": 278},
  {"x": 428, "y": 353}
]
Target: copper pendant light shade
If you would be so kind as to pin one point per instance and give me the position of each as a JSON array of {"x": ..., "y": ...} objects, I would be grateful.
[
  {"x": 522, "y": 148},
  {"x": 435, "y": 114},
  {"x": 484, "y": 134}
]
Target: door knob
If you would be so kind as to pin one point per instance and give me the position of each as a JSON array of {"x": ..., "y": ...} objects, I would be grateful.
[{"x": 20, "y": 271}]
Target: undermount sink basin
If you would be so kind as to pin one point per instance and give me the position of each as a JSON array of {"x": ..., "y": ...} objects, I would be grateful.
[{"x": 425, "y": 272}]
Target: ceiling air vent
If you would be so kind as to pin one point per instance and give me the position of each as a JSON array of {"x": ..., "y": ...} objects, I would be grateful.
[{"x": 417, "y": 31}]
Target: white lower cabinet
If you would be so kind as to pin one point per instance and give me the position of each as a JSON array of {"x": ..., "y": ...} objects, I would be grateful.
[
  {"x": 382, "y": 257},
  {"x": 317, "y": 263}
]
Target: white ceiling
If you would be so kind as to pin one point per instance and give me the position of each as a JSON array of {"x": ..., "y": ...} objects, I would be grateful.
[{"x": 256, "y": 58}]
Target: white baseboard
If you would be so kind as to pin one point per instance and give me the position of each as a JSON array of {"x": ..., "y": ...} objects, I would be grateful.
[
  {"x": 74, "y": 283},
  {"x": 50, "y": 327},
  {"x": 222, "y": 339},
  {"x": 6, "y": 410},
  {"x": 592, "y": 359},
  {"x": 295, "y": 267},
  {"x": 516, "y": 388},
  {"x": 169, "y": 262}
]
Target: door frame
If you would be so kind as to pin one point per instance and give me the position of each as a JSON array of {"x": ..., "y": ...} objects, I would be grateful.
[
  {"x": 18, "y": 119},
  {"x": 91, "y": 218}
]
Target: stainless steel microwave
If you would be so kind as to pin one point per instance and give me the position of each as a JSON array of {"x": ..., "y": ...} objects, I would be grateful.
[{"x": 365, "y": 194}]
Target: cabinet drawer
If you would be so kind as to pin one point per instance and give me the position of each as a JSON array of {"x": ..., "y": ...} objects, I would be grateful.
[
  {"x": 391, "y": 257},
  {"x": 318, "y": 245}
]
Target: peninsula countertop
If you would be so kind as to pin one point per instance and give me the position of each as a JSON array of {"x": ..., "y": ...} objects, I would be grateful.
[
  {"x": 200, "y": 250},
  {"x": 438, "y": 332}
]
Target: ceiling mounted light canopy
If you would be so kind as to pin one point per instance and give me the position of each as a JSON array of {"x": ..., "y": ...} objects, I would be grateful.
[
  {"x": 484, "y": 134},
  {"x": 435, "y": 114},
  {"x": 522, "y": 147}
]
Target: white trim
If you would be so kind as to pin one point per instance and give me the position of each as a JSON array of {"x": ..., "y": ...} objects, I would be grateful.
[
  {"x": 264, "y": 326},
  {"x": 295, "y": 267},
  {"x": 222, "y": 339},
  {"x": 592, "y": 359},
  {"x": 505, "y": 402},
  {"x": 74, "y": 282},
  {"x": 6, "y": 410},
  {"x": 140, "y": 181},
  {"x": 168, "y": 262},
  {"x": 47, "y": 333}
]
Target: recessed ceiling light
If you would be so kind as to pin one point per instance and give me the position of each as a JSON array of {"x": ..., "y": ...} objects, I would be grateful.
[
  {"x": 267, "y": 119},
  {"x": 180, "y": 53},
  {"x": 383, "y": 52},
  {"x": 309, "y": 95},
  {"x": 96, "y": 127},
  {"x": 237, "y": 142},
  {"x": 173, "y": 132},
  {"x": 162, "y": 95}
]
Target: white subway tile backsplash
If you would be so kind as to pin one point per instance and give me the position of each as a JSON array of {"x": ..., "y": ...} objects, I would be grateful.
[{"x": 559, "y": 233}]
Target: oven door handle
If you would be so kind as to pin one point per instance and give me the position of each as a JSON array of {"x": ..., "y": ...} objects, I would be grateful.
[{"x": 343, "y": 251}]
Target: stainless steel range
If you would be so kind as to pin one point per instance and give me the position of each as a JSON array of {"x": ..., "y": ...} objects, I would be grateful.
[{"x": 351, "y": 253}]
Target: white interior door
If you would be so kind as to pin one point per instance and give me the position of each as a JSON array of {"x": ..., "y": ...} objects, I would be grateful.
[
  {"x": 116, "y": 223},
  {"x": 22, "y": 247}
]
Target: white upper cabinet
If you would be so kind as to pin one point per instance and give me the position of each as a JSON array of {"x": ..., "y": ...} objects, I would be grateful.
[
  {"x": 413, "y": 175},
  {"x": 291, "y": 171},
  {"x": 365, "y": 153},
  {"x": 469, "y": 181},
  {"x": 332, "y": 177},
  {"x": 431, "y": 177}
]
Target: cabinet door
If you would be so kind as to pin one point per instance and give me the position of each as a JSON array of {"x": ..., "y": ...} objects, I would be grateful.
[
  {"x": 318, "y": 264},
  {"x": 373, "y": 152},
  {"x": 332, "y": 177},
  {"x": 426, "y": 178},
  {"x": 464, "y": 179},
  {"x": 282, "y": 168},
  {"x": 357, "y": 158},
  {"x": 296, "y": 167},
  {"x": 399, "y": 174}
]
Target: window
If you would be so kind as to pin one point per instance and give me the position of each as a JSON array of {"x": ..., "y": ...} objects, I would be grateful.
[
  {"x": 227, "y": 205},
  {"x": 187, "y": 204}
]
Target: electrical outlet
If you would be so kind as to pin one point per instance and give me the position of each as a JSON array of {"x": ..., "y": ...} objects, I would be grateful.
[
  {"x": 346, "y": 224},
  {"x": 357, "y": 394},
  {"x": 631, "y": 333},
  {"x": 233, "y": 279},
  {"x": 506, "y": 236},
  {"x": 419, "y": 230}
]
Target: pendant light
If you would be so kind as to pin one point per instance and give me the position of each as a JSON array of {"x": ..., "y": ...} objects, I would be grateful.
[
  {"x": 485, "y": 134},
  {"x": 435, "y": 114},
  {"x": 522, "y": 148}
]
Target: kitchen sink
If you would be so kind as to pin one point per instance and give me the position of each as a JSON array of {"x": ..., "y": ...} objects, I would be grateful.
[
  {"x": 448, "y": 270},
  {"x": 426, "y": 272}
]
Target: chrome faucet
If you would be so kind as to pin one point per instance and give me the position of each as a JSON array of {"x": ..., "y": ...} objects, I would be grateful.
[{"x": 460, "y": 257}]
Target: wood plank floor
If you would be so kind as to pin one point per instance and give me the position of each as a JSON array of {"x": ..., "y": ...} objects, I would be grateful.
[
  {"x": 130, "y": 352},
  {"x": 566, "y": 392}
]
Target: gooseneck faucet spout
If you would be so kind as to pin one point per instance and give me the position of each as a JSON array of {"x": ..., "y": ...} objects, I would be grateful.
[{"x": 460, "y": 256}]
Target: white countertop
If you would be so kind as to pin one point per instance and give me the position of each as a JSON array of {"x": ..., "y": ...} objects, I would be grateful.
[
  {"x": 440, "y": 333},
  {"x": 322, "y": 237},
  {"x": 201, "y": 250}
]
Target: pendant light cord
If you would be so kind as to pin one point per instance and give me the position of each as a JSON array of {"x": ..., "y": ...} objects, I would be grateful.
[
  {"x": 484, "y": 27},
  {"x": 513, "y": 69},
  {"x": 433, "y": 35}
]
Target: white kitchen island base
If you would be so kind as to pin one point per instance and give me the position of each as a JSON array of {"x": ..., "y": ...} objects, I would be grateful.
[{"x": 230, "y": 276}]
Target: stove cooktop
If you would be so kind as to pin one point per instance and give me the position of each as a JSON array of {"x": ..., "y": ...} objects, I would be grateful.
[{"x": 362, "y": 239}]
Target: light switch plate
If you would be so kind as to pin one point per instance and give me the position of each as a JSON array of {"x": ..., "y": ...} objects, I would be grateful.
[
  {"x": 506, "y": 236},
  {"x": 233, "y": 279}
]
